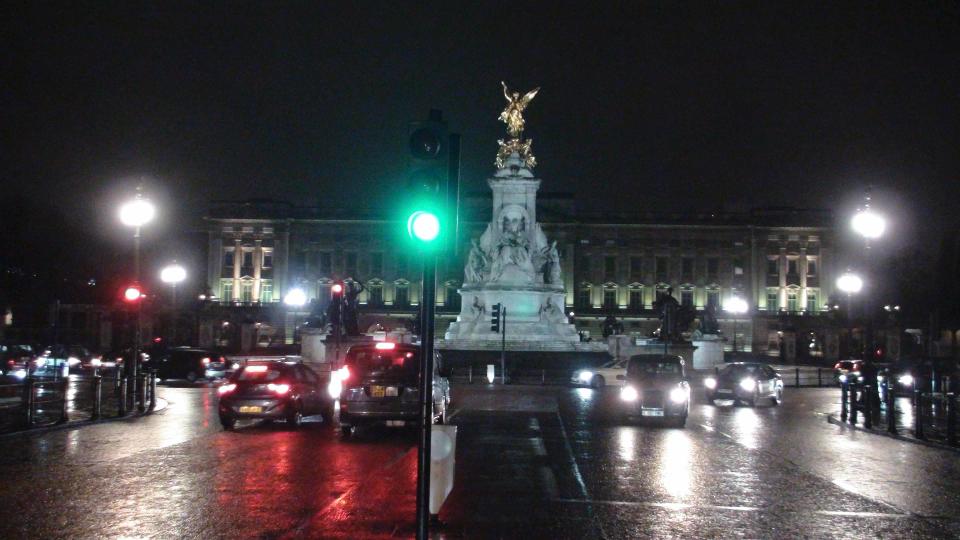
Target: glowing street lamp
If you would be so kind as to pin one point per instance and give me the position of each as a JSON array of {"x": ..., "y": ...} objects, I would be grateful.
[
  {"x": 868, "y": 224},
  {"x": 173, "y": 274},
  {"x": 850, "y": 283},
  {"x": 136, "y": 214},
  {"x": 295, "y": 298},
  {"x": 736, "y": 306}
]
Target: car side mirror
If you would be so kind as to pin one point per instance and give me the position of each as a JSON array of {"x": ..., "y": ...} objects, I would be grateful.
[{"x": 621, "y": 377}]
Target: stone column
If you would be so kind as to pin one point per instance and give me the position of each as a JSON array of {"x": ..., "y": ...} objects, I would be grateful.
[
  {"x": 257, "y": 267},
  {"x": 237, "y": 262}
]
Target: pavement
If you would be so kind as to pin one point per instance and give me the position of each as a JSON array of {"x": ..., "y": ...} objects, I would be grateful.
[{"x": 532, "y": 462}]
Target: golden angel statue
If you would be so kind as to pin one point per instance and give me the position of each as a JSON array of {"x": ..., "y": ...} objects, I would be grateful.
[{"x": 512, "y": 116}]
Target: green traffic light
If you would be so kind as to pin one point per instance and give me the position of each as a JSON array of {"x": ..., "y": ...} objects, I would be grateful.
[{"x": 423, "y": 226}]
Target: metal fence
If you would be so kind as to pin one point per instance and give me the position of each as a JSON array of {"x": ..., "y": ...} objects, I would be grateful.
[
  {"x": 37, "y": 402},
  {"x": 928, "y": 412}
]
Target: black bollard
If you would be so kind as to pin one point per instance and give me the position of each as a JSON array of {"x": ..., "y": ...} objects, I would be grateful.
[
  {"x": 853, "y": 404},
  {"x": 891, "y": 405},
  {"x": 819, "y": 378},
  {"x": 97, "y": 393},
  {"x": 141, "y": 392},
  {"x": 918, "y": 410},
  {"x": 28, "y": 393},
  {"x": 153, "y": 390},
  {"x": 122, "y": 398},
  {"x": 797, "y": 378},
  {"x": 64, "y": 404},
  {"x": 867, "y": 406},
  {"x": 952, "y": 418},
  {"x": 844, "y": 394}
]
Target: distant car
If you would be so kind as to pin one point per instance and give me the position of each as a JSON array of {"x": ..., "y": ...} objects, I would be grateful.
[
  {"x": 844, "y": 369},
  {"x": 605, "y": 375},
  {"x": 378, "y": 383},
  {"x": 183, "y": 363},
  {"x": 655, "y": 386},
  {"x": 220, "y": 367},
  {"x": 16, "y": 359},
  {"x": 746, "y": 382},
  {"x": 274, "y": 391}
]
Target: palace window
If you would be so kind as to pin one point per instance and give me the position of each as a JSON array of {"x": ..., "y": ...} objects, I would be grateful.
[
  {"x": 350, "y": 264},
  {"x": 266, "y": 290},
  {"x": 792, "y": 266},
  {"x": 325, "y": 263},
  {"x": 402, "y": 296},
  {"x": 610, "y": 268},
  {"x": 636, "y": 268},
  {"x": 686, "y": 267},
  {"x": 585, "y": 264},
  {"x": 773, "y": 267},
  {"x": 661, "y": 269},
  {"x": 226, "y": 291},
  {"x": 773, "y": 300},
  {"x": 792, "y": 302},
  {"x": 246, "y": 292},
  {"x": 267, "y": 258},
  {"x": 713, "y": 299},
  {"x": 811, "y": 303},
  {"x": 610, "y": 299},
  {"x": 247, "y": 258},
  {"x": 686, "y": 298},
  {"x": 713, "y": 267},
  {"x": 376, "y": 264},
  {"x": 811, "y": 267},
  {"x": 375, "y": 295},
  {"x": 401, "y": 265},
  {"x": 636, "y": 299},
  {"x": 228, "y": 257},
  {"x": 583, "y": 297}
]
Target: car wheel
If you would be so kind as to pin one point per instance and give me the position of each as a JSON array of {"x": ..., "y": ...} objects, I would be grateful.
[
  {"x": 295, "y": 417},
  {"x": 192, "y": 377},
  {"x": 227, "y": 422},
  {"x": 347, "y": 431},
  {"x": 598, "y": 382},
  {"x": 778, "y": 396},
  {"x": 752, "y": 401}
]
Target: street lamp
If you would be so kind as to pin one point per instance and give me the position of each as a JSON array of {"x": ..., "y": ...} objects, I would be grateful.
[
  {"x": 136, "y": 214},
  {"x": 736, "y": 306},
  {"x": 850, "y": 284},
  {"x": 868, "y": 224},
  {"x": 173, "y": 274},
  {"x": 295, "y": 298}
]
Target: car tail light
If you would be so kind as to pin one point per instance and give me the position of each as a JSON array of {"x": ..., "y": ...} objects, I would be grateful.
[
  {"x": 837, "y": 366},
  {"x": 11, "y": 362},
  {"x": 226, "y": 389},
  {"x": 278, "y": 388},
  {"x": 256, "y": 369},
  {"x": 205, "y": 361},
  {"x": 223, "y": 360},
  {"x": 386, "y": 346},
  {"x": 343, "y": 373}
]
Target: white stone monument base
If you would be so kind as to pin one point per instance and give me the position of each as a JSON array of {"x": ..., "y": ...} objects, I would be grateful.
[
  {"x": 534, "y": 315},
  {"x": 709, "y": 352}
]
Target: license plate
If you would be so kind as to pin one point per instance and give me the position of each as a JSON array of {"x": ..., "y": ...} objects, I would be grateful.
[
  {"x": 396, "y": 423},
  {"x": 651, "y": 412},
  {"x": 247, "y": 409},
  {"x": 377, "y": 391},
  {"x": 724, "y": 391}
]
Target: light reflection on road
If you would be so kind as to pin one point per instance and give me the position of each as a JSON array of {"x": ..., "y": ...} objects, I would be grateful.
[{"x": 675, "y": 463}]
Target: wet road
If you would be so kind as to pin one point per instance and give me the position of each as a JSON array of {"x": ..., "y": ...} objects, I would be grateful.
[{"x": 532, "y": 462}]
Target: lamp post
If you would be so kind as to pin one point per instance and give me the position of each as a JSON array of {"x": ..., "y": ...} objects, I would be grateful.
[
  {"x": 869, "y": 225},
  {"x": 137, "y": 213},
  {"x": 173, "y": 274},
  {"x": 736, "y": 306},
  {"x": 850, "y": 284}
]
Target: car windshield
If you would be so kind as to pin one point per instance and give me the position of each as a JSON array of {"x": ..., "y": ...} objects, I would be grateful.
[
  {"x": 259, "y": 373},
  {"x": 741, "y": 370},
  {"x": 380, "y": 363},
  {"x": 654, "y": 368}
]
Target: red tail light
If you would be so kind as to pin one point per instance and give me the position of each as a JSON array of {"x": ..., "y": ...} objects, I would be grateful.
[
  {"x": 226, "y": 389},
  {"x": 280, "y": 389},
  {"x": 837, "y": 366},
  {"x": 205, "y": 361}
]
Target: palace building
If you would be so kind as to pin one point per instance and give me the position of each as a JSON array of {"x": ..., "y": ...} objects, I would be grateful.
[{"x": 781, "y": 261}]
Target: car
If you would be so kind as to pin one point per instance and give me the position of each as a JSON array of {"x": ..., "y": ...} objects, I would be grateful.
[
  {"x": 272, "y": 390},
  {"x": 844, "y": 369},
  {"x": 605, "y": 375},
  {"x": 16, "y": 359},
  {"x": 183, "y": 363},
  {"x": 746, "y": 382},
  {"x": 379, "y": 384},
  {"x": 655, "y": 386},
  {"x": 220, "y": 368}
]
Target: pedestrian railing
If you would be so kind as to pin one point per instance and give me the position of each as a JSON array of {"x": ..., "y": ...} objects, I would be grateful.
[
  {"x": 478, "y": 375},
  {"x": 42, "y": 402},
  {"x": 928, "y": 412},
  {"x": 806, "y": 376}
]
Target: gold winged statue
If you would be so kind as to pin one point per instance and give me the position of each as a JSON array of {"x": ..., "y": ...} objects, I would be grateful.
[{"x": 512, "y": 116}]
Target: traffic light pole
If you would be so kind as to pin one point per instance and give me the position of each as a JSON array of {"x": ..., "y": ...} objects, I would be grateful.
[{"x": 426, "y": 393}]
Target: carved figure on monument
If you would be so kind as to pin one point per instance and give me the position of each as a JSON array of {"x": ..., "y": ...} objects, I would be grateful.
[
  {"x": 512, "y": 248},
  {"x": 551, "y": 312},
  {"x": 351, "y": 305},
  {"x": 512, "y": 115},
  {"x": 708, "y": 321},
  {"x": 668, "y": 307},
  {"x": 478, "y": 309},
  {"x": 478, "y": 264},
  {"x": 551, "y": 265}
]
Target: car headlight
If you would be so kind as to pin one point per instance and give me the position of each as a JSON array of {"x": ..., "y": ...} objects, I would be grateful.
[
  {"x": 585, "y": 376},
  {"x": 95, "y": 362},
  {"x": 906, "y": 380},
  {"x": 843, "y": 378},
  {"x": 234, "y": 366},
  {"x": 678, "y": 395},
  {"x": 748, "y": 384},
  {"x": 710, "y": 383},
  {"x": 20, "y": 373},
  {"x": 629, "y": 393},
  {"x": 72, "y": 361}
]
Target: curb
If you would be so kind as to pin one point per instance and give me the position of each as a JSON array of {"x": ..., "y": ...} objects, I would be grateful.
[
  {"x": 931, "y": 444},
  {"x": 162, "y": 404}
]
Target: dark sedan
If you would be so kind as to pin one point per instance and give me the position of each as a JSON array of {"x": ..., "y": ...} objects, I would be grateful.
[
  {"x": 746, "y": 382},
  {"x": 274, "y": 391},
  {"x": 656, "y": 387}
]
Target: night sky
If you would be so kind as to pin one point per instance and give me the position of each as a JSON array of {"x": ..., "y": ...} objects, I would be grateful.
[{"x": 645, "y": 105}]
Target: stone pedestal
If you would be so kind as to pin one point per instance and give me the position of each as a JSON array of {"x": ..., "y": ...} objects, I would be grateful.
[{"x": 709, "y": 352}]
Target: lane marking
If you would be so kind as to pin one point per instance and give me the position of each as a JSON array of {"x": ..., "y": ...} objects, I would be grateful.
[
  {"x": 572, "y": 458},
  {"x": 692, "y": 506}
]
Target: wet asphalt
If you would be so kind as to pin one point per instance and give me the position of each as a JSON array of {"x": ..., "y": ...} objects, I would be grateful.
[{"x": 532, "y": 462}]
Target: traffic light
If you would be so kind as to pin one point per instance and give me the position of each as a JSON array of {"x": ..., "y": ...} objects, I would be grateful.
[
  {"x": 133, "y": 293},
  {"x": 495, "y": 320},
  {"x": 431, "y": 184},
  {"x": 337, "y": 288}
]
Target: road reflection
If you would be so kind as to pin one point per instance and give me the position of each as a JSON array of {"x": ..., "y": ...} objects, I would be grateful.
[{"x": 675, "y": 463}]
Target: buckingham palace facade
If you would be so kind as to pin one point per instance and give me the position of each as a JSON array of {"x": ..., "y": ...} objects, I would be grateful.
[{"x": 780, "y": 260}]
